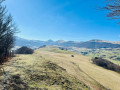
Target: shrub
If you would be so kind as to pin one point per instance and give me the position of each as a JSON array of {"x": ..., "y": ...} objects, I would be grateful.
[
  {"x": 72, "y": 55},
  {"x": 106, "y": 64},
  {"x": 24, "y": 50}
]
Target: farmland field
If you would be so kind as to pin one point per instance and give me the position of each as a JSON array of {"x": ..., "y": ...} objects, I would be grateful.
[{"x": 112, "y": 54}]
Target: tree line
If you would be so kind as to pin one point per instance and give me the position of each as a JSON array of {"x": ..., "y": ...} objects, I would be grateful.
[{"x": 7, "y": 31}]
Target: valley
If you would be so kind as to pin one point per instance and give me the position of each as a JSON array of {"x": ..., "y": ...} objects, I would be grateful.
[
  {"x": 93, "y": 48},
  {"x": 112, "y": 54}
]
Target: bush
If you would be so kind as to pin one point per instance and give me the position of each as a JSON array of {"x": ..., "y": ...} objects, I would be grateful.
[
  {"x": 72, "y": 55},
  {"x": 24, "y": 50},
  {"x": 106, "y": 64}
]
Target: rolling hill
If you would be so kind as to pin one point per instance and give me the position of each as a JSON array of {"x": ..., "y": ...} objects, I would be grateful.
[{"x": 50, "y": 68}]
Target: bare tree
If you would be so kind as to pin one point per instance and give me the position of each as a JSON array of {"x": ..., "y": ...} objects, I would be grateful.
[
  {"x": 113, "y": 8},
  {"x": 7, "y": 31}
]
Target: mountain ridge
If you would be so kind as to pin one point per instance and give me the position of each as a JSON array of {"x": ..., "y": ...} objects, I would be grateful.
[{"x": 91, "y": 44}]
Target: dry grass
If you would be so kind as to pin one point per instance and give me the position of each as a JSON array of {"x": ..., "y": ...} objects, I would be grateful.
[
  {"x": 82, "y": 68},
  {"x": 79, "y": 67},
  {"x": 36, "y": 71}
]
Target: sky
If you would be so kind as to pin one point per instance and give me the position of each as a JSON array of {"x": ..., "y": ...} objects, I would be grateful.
[{"x": 70, "y": 20}]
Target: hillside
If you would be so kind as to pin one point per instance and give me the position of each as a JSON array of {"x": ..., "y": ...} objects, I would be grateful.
[
  {"x": 50, "y": 68},
  {"x": 92, "y": 44}
]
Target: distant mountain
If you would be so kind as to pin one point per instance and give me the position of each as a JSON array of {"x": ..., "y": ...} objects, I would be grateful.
[
  {"x": 92, "y": 44},
  {"x": 30, "y": 43},
  {"x": 97, "y": 44}
]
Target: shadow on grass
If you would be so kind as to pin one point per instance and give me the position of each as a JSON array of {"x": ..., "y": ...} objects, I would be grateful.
[{"x": 56, "y": 75}]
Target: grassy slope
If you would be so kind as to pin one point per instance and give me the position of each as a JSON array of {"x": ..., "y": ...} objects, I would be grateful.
[
  {"x": 79, "y": 67},
  {"x": 82, "y": 68}
]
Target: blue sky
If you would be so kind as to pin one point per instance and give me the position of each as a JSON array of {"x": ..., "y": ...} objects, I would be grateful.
[{"x": 74, "y": 20}]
